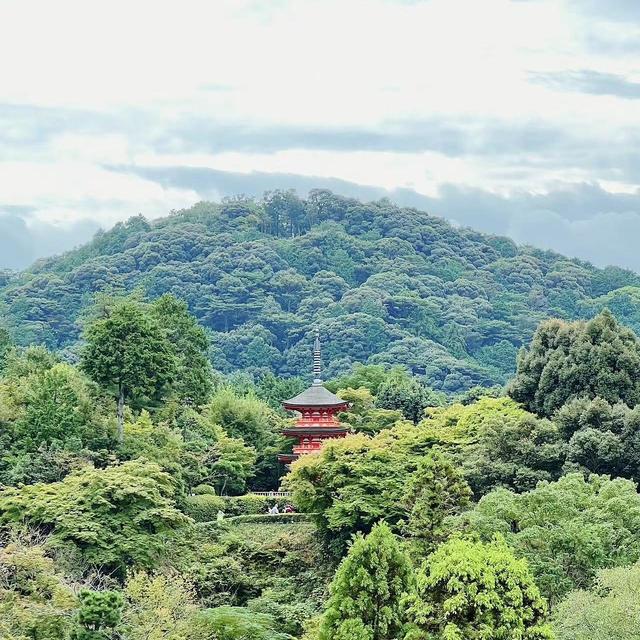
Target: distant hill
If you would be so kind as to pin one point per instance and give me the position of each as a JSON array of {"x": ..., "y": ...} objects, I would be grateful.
[{"x": 384, "y": 284}]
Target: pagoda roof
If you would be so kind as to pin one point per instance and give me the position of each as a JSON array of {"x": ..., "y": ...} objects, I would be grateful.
[{"x": 315, "y": 396}]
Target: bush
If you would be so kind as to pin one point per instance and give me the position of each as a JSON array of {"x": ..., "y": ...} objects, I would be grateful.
[
  {"x": 203, "y": 489},
  {"x": 281, "y": 518},
  {"x": 204, "y": 507}
]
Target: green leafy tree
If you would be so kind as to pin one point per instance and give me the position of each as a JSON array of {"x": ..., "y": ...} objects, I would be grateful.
[
  {"x": 58, "y": 407},
  {"x": 436, "y": 490},
  {"x": 257, "y": 424},
  {"x": 497, "y": 443},
  {"x": 581, "y": 359},
  {"x": 128, "y": 351},
  {"x": 5, "y": 345},
  {"x": 610, "y": 610},
  {"x": 567, "y": 530},
  {"x": 111, "y": 518},
  {"x": 363, "y": 416},
  {"x": 367, "y": 593},
  {"x": 402, "y": 392},
  {"x": 233, "y": 623},
  {"x": 602, "y": 437},
  {"x": 352, "y": 484},
  {"x": 98, "y": 616},
  {"x": 368, "y": 376},
  {"x": 36, "y": 600},
  {"x": 193, "y": 376},
  {"x": 157, "y": 607},
  {"x": 472, "y": 591}
]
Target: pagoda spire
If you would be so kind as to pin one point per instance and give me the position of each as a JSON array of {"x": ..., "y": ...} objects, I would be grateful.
[{"x": 317, "y": 360}]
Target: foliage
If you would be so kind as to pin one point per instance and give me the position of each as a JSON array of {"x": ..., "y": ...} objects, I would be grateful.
[
  {"x": 353, "y": 483},
  {"x": 404, "y": 393},
  {"x": 190, "y": 345},
  {"x": 599, "y": 358},
  {"x": 35, "y": 599},
  {"x": 608, "y": 611},
  {"x": 362, "y": 415},
  {"x": 127, "y": 350},
  {"x": 98, "y": 615},
  {"x": 471, "y": 591},
  {"x": 205, "y": 507},
  {"x": 435, "y": 491},
  {"x": 158, "y": 607},
  {"x": 113, "y": 518},
  {"x": 499, "y": 444},
  {"x": 567, "y": 530},
  {"x": 257, "y": 424},
  {"x": 602, "y": 438},
  {"x": 233, "y": 623},
  {"x": 388, "y": 285},
  {"x": 367, "y": 593}
]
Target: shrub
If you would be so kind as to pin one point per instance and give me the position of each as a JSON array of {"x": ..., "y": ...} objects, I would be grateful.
[
  {"x": 204, "y": 507},
  {"x": 203, "y": 489}
]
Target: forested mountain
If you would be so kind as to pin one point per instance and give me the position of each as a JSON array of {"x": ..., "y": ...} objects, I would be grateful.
[
  {"x": 386, "y": 285},
  {"x": 138, "y": 486}
]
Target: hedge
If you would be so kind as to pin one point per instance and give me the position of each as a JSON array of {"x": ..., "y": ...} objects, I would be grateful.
[
  {"x": 266, "y": 518},
  {"x": 204, "y": 507},
  {"x": 251, "y": 504}
]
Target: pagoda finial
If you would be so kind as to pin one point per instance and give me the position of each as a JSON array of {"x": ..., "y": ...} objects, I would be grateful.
[{"x": 317, "y": 361}]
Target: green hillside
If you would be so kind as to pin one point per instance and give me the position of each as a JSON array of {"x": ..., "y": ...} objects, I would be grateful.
[{"x": 385, "y": 284}]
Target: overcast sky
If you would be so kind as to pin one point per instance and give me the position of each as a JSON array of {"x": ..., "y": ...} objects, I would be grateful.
[{"x": 513, "y": 117}]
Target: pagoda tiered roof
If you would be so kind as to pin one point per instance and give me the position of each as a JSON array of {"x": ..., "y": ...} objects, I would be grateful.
[{"x": 315, "y": 396}]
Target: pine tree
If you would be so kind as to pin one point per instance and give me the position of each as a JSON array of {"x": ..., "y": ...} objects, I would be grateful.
[
  {"x": 368, "y": 590},
  {"x": 98, "y": 616}
]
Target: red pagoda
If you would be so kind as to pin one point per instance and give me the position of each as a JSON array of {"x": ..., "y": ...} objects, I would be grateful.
[{"x": 317, "y": 421}]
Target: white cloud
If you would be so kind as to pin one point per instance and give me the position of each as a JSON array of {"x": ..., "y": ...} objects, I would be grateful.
[{"x": 105, "y": 84}]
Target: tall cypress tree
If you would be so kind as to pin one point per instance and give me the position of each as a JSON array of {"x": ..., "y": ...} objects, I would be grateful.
[{"x": 368, "y": 590}]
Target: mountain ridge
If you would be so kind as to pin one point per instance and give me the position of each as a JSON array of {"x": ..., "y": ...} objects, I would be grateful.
[{"x": 386, "y": 284}]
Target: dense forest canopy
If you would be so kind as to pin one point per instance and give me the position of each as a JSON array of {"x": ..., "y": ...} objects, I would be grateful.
[
  {"x": 138, "y": 444},
  {"x": 387, "y": 285}
]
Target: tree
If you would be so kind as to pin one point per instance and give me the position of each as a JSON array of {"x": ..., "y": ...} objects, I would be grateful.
[
  {"x": 232, "y": 623},
  {"x": 610, "y": 610},
  {"x": 58, "y": 407},
  {"x": 602, "y": 437},
  {"x": 580, "y": 359},
  {"x": 567, "y": 530},
  {"x": 497, "y": 443},
  {"x": 436, "y": 490},
  {"x": 36, "y": 600},
  {"x": 190, "y": 344},
  {"x": 5, "y": 345},
  {"x": 367, "y": 592},
  {"x": 405, "y": 393},
  {"x": 112, "y": 518},
  {"x": 127, "y": 350},
  {"x": 157, "y": 607},
  {"x": 98, "y": 615},
  {"x": 351, "y": 484},
  {"x": 256, "y": 423},
  {"x": 471, "y": 591},
  {"x": 362, "y": 415}
]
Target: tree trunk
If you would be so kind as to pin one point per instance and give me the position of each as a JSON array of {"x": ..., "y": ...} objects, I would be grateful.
[{"x": 120, "y": 414}]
